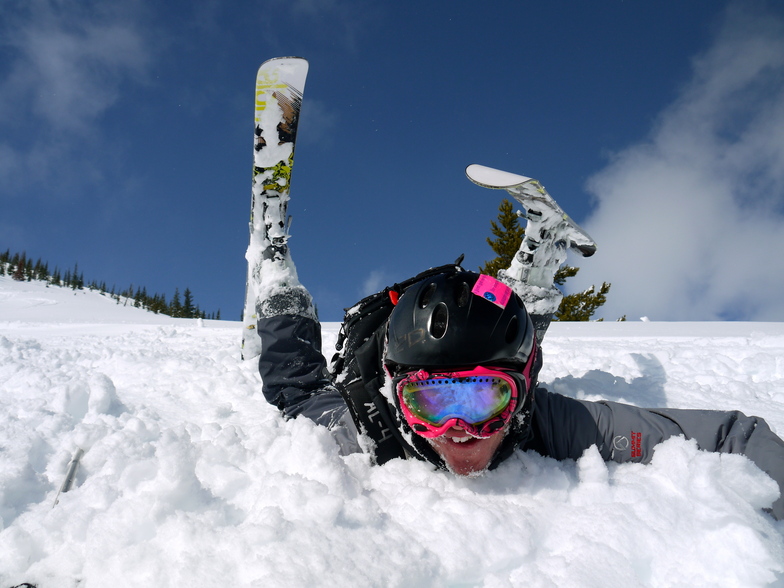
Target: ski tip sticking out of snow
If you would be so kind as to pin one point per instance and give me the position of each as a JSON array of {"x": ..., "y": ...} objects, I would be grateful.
[
  {"x": 69, "y": 476},
  {"x": 488, "y": 177}
]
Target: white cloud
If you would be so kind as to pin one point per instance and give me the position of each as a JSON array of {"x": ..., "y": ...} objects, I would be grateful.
[
  {"x": 319, "y": 121},
  {"x": 376, "y": 281},
  {"x": 690, "y": 222},
  {"x": 69, "y": 62},
  {"x": 65, "y": 66},
  {"x": 342, "y": 22}
]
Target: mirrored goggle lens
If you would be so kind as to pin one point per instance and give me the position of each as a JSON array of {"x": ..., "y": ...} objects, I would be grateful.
[{"x": 472, "y": 399}]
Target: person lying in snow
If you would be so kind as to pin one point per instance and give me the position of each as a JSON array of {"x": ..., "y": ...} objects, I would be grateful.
[{"x": 443, "y": 368}]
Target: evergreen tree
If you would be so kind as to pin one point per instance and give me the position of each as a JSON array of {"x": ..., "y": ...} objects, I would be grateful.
[
  {"x": 188, "y": 310},
  {"x": 579, "y": 306},
  {"x": 18, "y": 274},
  {"x": 77, "y": 279},
  {"x": 175, "y": 308},
  {"x": 509, "y": 235},
  {"x": 161, "y": 306},
  {"x": 29, "y": 270},
  {"x": 41, "y": 270},
  {"x": 564, "y": 272}
]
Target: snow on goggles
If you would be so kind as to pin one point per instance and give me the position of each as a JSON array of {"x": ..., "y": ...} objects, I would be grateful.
[{"x": 481, "y": 401}]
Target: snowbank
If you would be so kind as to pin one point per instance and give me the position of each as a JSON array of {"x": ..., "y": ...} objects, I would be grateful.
[{"x": 190, "y": 479}]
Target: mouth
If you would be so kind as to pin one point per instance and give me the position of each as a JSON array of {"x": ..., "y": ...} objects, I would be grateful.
[
  {"x": 461, "y": 440},
  {"x": 464, "y": 454},
  {"x": 465, "y": 440}
]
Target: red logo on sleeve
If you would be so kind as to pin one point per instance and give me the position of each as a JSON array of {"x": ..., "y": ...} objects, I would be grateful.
[{"x": 636, "y": 443}]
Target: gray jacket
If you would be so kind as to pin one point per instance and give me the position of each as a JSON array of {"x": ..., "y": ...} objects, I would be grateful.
[{"x": 295, "y": 379}]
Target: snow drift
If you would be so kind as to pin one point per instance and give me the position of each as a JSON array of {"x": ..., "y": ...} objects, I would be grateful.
[{"x": 190, "y": 479}]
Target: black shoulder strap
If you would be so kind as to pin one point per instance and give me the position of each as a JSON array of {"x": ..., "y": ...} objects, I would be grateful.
[
  {"x": 357, "y": 367},
  {"x": 373, "y": 413},
  {"x": 368, "y": 407}
]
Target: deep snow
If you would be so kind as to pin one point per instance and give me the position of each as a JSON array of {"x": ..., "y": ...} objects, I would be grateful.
[{"x": 190, "y": 479}]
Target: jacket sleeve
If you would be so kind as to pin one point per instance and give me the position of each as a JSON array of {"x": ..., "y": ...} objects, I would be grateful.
[
  {"x": 565, "y": 427},
  {"x": 295, "y": 379}
]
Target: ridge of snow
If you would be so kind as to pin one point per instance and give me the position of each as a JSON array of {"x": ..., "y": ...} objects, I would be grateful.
[{"x": 189, "y": 478}]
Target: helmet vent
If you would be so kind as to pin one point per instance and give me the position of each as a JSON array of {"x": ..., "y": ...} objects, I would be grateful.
[
  {"x": 512, "y": 329},
  {"x": 463, "y": 294},
  {"x": 427, "y": 295},
  {"x": 439, "y": 320}
]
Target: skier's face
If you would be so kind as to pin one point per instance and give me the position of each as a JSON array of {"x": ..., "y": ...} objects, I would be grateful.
[
  {"x": 464, "y": 414},
  {"x": 464, "y": 454}
]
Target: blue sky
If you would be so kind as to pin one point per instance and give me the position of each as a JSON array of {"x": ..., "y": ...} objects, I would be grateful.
[{"x": 126, "y": 141}]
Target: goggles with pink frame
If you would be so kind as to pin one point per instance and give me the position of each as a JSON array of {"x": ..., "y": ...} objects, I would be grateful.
[{"x": 481, "y": 401}]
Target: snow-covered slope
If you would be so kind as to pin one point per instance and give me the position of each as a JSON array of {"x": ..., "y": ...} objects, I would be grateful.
[
  {"x": 190, "y": 479},
  {"x": 37, "y": 302}
]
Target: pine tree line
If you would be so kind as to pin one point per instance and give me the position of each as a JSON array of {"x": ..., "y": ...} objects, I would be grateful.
[{"x": 21, "y": 268}]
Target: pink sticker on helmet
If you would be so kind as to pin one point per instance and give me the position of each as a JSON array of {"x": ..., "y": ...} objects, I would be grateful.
[{"x": 491, "y": 289}]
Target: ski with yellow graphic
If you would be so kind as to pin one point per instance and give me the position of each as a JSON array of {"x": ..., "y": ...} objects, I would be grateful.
[{"x": 280, "y": 84}]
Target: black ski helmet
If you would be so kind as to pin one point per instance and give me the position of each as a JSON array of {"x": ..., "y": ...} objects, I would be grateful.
[{"x": 441, "y": 322}]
